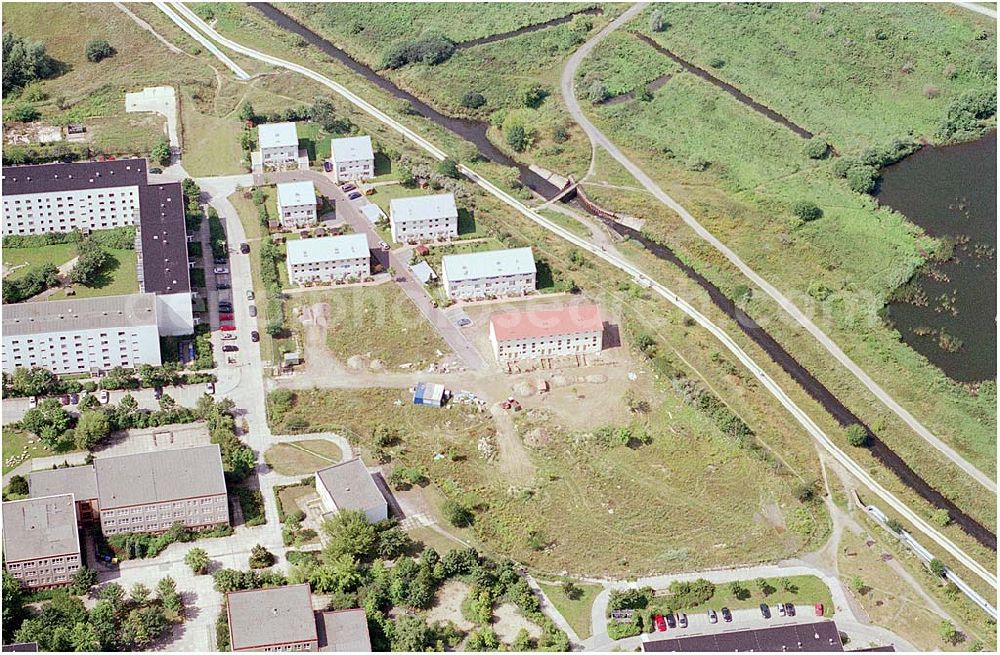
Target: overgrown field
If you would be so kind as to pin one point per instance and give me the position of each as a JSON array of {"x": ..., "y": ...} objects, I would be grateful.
[{"x": 623, "y": 63}]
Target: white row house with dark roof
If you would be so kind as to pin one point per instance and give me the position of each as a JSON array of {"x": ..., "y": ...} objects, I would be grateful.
[
  {"x": 490, "y": 274},
  {"x": 328, "y": 259}
]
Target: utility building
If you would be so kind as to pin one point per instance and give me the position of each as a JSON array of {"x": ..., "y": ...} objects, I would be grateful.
[
  {"x": 349, "y": 486},
  {"x": 423, "y": 218},
  {"x": 41, "y": 544},
  {"x": 491, "y": 274}
]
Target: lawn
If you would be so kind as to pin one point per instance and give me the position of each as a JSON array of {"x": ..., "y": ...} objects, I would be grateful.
[
  {"x": 288, "y": 495},
  {"x": 571, "y": 224},
  {"x": 20, "y": 446},
  {"x": 56, "y": 254},
  {"x": 118, "y": 277},
  {"x": 379, "y": 320},
  {"x": 211, "y": 143},
  {"x": 576, "y": 610},
  {"x": 302, "y": 457},
  {"x": 433, "y": 539},
  {"x": 128, "y": 133}
]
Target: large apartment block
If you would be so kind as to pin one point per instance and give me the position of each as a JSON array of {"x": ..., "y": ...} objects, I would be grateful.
[
  {"x": 149, "y": 492},
  {"x": 279, "y": 143},
  {"x": 423, "y": 218},
  {"x": 572, "y": 330},
  {"x": 352, "y": 158},
  {"x": 328, "y": 259},
  {"x": 81, "y": 336},
  {"x": 297, "y": 204},
  {"x": 491, "y": 274},
  {"x": 41, "y": 544}
]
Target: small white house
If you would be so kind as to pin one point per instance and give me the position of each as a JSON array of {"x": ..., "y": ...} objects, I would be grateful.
[
  {"x": 490, "y": 274},
  {"x": 279, "y": 143},
  {"x": 352, "y": 158},
  {"x": 327, "y": 259},
  {"x": 423, "y": 218},
  {"x": 297, "y": 204},
  {"x": 349, "y": 486}
]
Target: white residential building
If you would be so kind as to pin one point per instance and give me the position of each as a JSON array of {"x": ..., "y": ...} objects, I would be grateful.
[
  {"x": 297, "y": 204},
  {"x": 572, "y": 330},
  {"x": 278, "y": 142},
  {"x": 327, "y": 259},
  {"x": 423, "y": 218},
  {"x": 78, "y": 336},
  {"x": 349, "y": 486},
  {"x": 490, "y": 274},
  {"x": 352, "y": 158},
  {"x": 41, "y": 544}
]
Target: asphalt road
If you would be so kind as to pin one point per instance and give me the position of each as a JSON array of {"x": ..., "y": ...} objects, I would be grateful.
[{"x": 567, "y": 87}]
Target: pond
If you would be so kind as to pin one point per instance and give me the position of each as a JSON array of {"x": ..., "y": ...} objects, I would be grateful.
[{"x": 948, "y": 310}]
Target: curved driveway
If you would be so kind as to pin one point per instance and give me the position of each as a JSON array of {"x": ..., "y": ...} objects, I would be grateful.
[
  {"x": 597, "y": 138},
  {"x": 631, "y": 269}
]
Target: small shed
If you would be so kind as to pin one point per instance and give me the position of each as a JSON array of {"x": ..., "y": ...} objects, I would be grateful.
[
  {"x": 430, "y": 394},
  {"x": 422, "y": 250},
  {"x": 291, "y": 359},
  {"x": 423, "y": 272},
  {"x": 373, "y": 212}
]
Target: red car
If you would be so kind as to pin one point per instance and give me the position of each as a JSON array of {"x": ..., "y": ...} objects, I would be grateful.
[
  {"x": 819, "y": 609},
  {"x": 661, "y": 623},
  {"x": 225, "y": 317},
  {"x": 227, "y": 328}
]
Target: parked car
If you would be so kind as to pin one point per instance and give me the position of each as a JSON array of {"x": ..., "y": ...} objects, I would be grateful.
[
  {"x": 383, "y": 245},
  {"x": 781, "y": 610},
  {"x": 33, "y": 402},
  {"x": 225, "y": 317},
  {"x": 255, "y": 336},
  {"x": 712, "y": 616},
  {"x": 400, "y": 278},
  {"x": 682, "y": 620},
  {"x": 74, "y": 398},
  {"x": 249, "y": 294},
  {"x": 220, "y": 270},
  {"x": 223, "y": 286},
  {"x": 818, "y": 608},
  {"x": 348, "y": 187},
  {"x": 253, "y": 310},
  {"x": 225, "y": 306},
  {"x": 210, "y": 388},
  {"x": 157, "y": 392},
  {"x": 64, "y": 399},
  {"x": 765, "y": 611},
  {"x": 354, "y": 195},
  {"x": 327, "y": 167},
  {"x": 228, "y": 336},
  {"x": 227, "y": 328},
  {"x": 245, "y": 248},
  {"x": 661, "y": 625},
  {"x": 230, "y": 348},
  {"x": 790, "y": 609},
  {"x": 462, "y": 322},
  {"x": 727, "y": 616},
  {"x": 671, "y": 621},
  {"x": 103, "y": 396}
]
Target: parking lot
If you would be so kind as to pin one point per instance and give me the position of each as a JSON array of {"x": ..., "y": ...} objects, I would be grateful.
[{"x": 743, "y": 619}]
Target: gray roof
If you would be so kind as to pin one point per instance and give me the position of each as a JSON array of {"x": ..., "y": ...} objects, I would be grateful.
[
  {"x": 327, "y": 249},
  {"x": 40, "y": 527},
  {"x": 488, "y": 263},
  {"x": 423, "y": 208},
  {"x": 352, "y": 148},
  {"x": 265, "y": 617},
  {"x": 133, "y": 310},
  {"x": 344, "y": 631},
  {"x": 351, "y": 486},
  {"x": 81, "y": 481},
  {"x": 272, "y": 135},
  {"x": 159, "y": 476}
]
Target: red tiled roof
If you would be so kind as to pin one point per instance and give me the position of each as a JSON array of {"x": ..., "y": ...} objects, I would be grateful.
[{"x": 546, "y": 322}]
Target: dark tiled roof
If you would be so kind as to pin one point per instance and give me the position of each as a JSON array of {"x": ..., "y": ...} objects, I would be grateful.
[
  {"x": 819, "y": 636},
  {"x": 44, "y": 178},
  {"x": 164, "y": 239}
]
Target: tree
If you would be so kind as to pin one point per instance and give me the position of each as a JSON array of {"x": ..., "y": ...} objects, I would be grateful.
[
  {"x": 349, "y": 533},
  {"x": 246, "y": 112},
  {"x": 816, "y": 148},
  {"x": 91, "y": 259},
  {"x": 166, "y": 591},
  {"x": 787, "y": 585},
  {"x": 49, "y": 421},
  {"x": 83, "y": 579},
  {"x": 457, "y": 514},
  {"x": 764, "y": 586},
  {"x": 18, "y": 485},
  {"x": 139, "y": 593},
  {"x": 857, "y": 435},
  {"x": 24, "y": 61},
  {"x": 533, "y": 95},
  {"x": 517, "y": 137},
  {"x": 949, "y": 634},
  {"x": 161, "y": 152},
  {"x": 405, "y": 176},
  {"x": 939, "y": 517},
  {"x": 98, "y": 50},
  {"x": 449, "y": 168},
  {"x": 411, "y": 634},
  {"x": 522, "y": 642},
  {"x": 861, "y": 178},
  {"x": 807, "y": 210},
  {"x": 895, "y": 526},
  {"x": 340, "y": 574},
  {"x": 92, "y": 428},
  {"x": 324, "y": 112},
  {"x": 597, "y": 92},
  {"x": 261, "y": 557},
  {"x": 393, "y": 542},
  {"x": 937, "y": 567},
  {"x": 657, "y": 23},
  {"x": 13, "y": 602},
  {"x": 83, "y": 638},
  {"x": 571, "y": 591},
  {"x": 473, "y": 100}
]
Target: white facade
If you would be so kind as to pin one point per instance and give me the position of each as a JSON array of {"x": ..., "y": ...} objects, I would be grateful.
[
  {"x": 279, "y": 143},
  {"x": 297, "y": 204},
  {"x": 573, "y": 330},
  {"x": 76, "y": 336},
  {"x": 490, "y": 274},
  {"x": 328, "y": 259},
  {"x": 65, "y": 211},
  {"x": 352, "y": 158},
  {"x": 423, "y": 218}
]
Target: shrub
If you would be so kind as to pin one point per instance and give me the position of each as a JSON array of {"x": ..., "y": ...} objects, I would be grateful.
[
  {"x": 560, "y": 134},
  {"x": 816, "y": 148},
  {"x": 429, "y": 49},
  {"x": 161, "y": 152},
  {"x": 197, "y": 559},
  {"x": 18, "y": 485},
  {"x": 807, "y": 210},
  {"x": 716, "y": 62},
  {"x": 861, "y": 178},
  {"x": 962, "y": 121},
  {"x": 457, "y": 513},
  {"x": 25, "y": 113},
  {"x": 937, "y": 567},
  {"x": 98, "y": 50},
  {"x": 473, "y": 100},
  {"x": 533, "y": 95},
  {"x": 657, "y": 23},
  {"x": 857, "y": 435},
  {"x": 517, "y": 138},
  {"x": 260, "y": 557},
  {"x": 597, "y": 92},
  {"x": 697, "y": 163},
  {"x": 449, "y": 168}
]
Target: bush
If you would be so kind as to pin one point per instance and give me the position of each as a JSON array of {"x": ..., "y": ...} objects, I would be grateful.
[
  {"x": 98, "y": 50},
  {"x": 807, "y": 210},
  {"x": 429, "y": 49},
  {"x": 697, "y": 163},
  {"x": 962, "y": 121},
  {"x": 816, "y": 148},
  {"x": 161, "y": 153},
  {"x": 861, "y": 178},
  {"x": 449, "y": 168},
  {"x": 260, "y": 557},
  {"x": 457, "y": 513},
  {"x": 473, "y": 100},
  {"x": 657, "y": 23},
  {"x": 25, "y": 113},
  {"x": 937, "y": 567},
  {"x": 857, "y": 435},
  {"x": 533, "y": 95},
  {"x": 24, "y": 61},
  {"x": 517, "y": 138},
  {"x": 18, "y": 485},
  {"x": 597, "y": 92}
]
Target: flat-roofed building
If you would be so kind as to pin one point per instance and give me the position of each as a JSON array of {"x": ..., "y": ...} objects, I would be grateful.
[
  {"x": 297, "y": 204},
  {"x": 149, "y": 492},
  {"x": 572, "y": 330},
  {"x": 327, "y": 259},
  {"x": 815, "y": 637},
  {"x": 343, "y": 631},
  {"x": 352, "y": 158},
  {"x": 161, "y": 249},
  {"x": 80, "y": 481},
  {"x": 423, "y": 218},
  {"x": 279, "y": 143},
  {"x": 490, "y": 274},
  {"x": 349, "y": 486},
  {"x": 82, "y": 335},
  {"x": 275, "y": 619},
  {"x": 41, "y": 543}
]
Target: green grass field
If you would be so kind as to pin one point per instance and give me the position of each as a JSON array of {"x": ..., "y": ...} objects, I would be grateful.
[
  {"x": 623, "y": 63},
  {"x": 22, "y": 259},
  {"x": 117, "y": 278},
  {"x": 805, "y": 590},
  {"x": 576, "y": 611},
  {"x": 302, "y": 457},
  {"x": 17, "y": 449}
]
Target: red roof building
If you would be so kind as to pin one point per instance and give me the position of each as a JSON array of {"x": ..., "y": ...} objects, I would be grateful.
[{"x": 572, "y": 330}]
